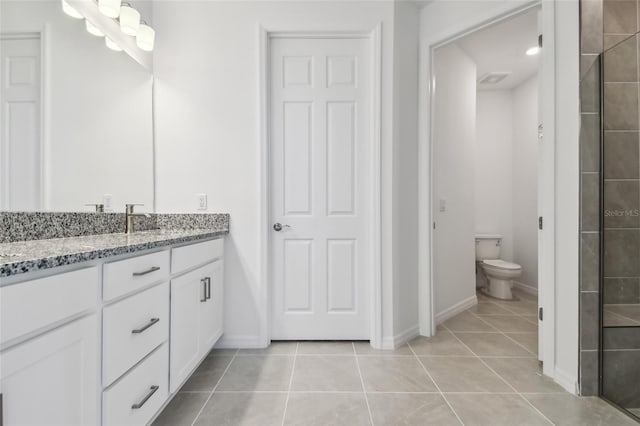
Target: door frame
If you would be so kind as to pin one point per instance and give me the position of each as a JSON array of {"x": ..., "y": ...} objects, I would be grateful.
[
  {"x": 41, "y": 34},
  {"x": 546, "y": 280},
  {"x": 374, "y": 37}
]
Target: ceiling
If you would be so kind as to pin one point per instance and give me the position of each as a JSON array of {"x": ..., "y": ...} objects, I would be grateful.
[{"x": 501, "y": 47}]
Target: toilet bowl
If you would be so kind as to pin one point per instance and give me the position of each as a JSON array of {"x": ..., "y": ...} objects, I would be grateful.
[{"x": 501, "y": 275}]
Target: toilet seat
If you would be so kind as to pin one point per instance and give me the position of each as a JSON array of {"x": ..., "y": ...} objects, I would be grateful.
[{"x": 502, "y": 264}]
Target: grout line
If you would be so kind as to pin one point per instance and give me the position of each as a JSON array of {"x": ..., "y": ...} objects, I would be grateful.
[
  {"x": 293, "y": 368},
  {"x": 435, "y": 384},
  {"x": 366, "y": 398},
  {"x": 215, "y": 387},
  {"x": 502, "y": 378}
]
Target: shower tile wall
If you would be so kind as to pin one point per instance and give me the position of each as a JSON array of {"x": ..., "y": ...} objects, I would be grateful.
[{"x": 605, "y": 24}]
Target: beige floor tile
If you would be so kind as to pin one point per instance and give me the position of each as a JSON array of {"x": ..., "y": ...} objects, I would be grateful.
[
  {"x": 492, "y": 344},
  {"x": 325, "y": 348},
  {"x": 258, "y": 373},
  {"x": 520, "y": 307},
  {"x": 410, "y": 410},
  {"x": 207, "y": 375},
  {"x": 327, "y": 409},
  {"x": 524, "y": 374},
  {"x": 533, "y": 319},
  {"x": 495, "y": 410},
  {"x": 528, "y": 340},
  {"x": 326, "y": 373},
  {"x": 364, "y": 348},
  {"x": 222, "y": 352},
  {"x": 466, "y": 321},
  {"x": 443, "y": 343},
  {"x": 569, "y": 410},
  {"x": 243, "y": 409},
  {"x": 182, "y": 410},
  {"x": 463, "y": 375},
  {"x": 275, "y": 348},
  {"x": 488, "y": 309},
  {"x": 394, "y": 374},
  {"x": 511, "y": 324},
  {"x": 522, "y": 295}
]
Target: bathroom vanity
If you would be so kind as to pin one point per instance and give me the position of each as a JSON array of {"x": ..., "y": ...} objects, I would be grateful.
[{"x": 106, "y": 334}]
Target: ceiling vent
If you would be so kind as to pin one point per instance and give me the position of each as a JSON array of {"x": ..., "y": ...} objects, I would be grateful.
[{"x": 494, "y": 77}]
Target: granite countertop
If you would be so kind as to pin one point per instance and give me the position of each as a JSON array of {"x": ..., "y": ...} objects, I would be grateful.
[{"x": 26, "y": 256}]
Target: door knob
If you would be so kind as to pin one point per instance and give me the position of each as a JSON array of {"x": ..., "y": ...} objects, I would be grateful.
[{"x": 279, "y": 227}]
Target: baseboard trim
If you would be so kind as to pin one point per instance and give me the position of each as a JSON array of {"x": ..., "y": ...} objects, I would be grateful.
[
  {"x": 242, "y": 342},
  {"x": 406, "y": 336},
  {"x": 526, "y": 288},
  {"x": 456, "y": 309},
  {"x": 568, "y": 382}
]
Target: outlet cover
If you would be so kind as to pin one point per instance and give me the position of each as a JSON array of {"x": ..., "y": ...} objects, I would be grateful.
[
  {"x": 107, "y": 200},
  {"x": 202, "y": 201}
]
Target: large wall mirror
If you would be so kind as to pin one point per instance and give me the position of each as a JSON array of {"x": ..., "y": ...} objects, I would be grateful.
[{"x": 76, "y": 116}]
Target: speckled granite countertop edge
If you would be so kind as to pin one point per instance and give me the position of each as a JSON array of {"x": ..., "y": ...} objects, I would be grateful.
[{"x": 37, "y": 255}]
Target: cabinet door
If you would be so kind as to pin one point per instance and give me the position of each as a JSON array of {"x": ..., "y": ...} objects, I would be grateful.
[
  {"x": 211, "y": 309},
  {"x": 53, "y": 379},
  {"x": 187, "y": 292}
]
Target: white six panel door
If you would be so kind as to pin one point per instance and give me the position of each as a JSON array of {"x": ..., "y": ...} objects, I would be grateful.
[
  {"x": 320, "y": 167},
  {"x": 20, "y": 152}
]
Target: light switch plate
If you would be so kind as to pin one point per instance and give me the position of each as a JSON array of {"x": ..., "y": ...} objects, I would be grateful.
[{"x": 202, "y": 201}]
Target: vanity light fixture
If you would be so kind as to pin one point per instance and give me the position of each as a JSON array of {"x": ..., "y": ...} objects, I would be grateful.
[
  {"x": 92, "y": 29},
  {"x": 110, "y": 8},
  {"x": 533, "y": 51},
  {"x": 146, "y": 37},
  {"x": 66, "y": 8},
  {"x": 129, "y": 19},
  {"x": 112, "y": 45}
]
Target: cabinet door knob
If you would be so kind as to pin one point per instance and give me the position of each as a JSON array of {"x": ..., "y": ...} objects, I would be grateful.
[{"x": 279, "y": 227}]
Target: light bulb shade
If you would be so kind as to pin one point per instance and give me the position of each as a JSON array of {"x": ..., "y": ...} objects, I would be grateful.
[
  {"x": 129, "y": 20},
  {"x": 70, "y": 10},
  {"x": 146, "y": 37},
  {"x": 92, "y": 29},
  {"x": 110, "y": 8},
  {"x": 112, "y": 45}
]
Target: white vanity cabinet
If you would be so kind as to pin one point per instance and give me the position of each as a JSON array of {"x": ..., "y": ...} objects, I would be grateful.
[
  {"x": 71, "y": 354},
  {"x": 49, "y": 362},
  {"x": 196, "y": 307}
]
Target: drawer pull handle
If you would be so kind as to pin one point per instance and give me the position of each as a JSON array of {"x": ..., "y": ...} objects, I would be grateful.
[
  {"x": 148, "y": 271},
  {"x": 208, "y": 294},
  {"x": 204, "y": 289},
  {"x": 153, "y": 390},
  {"x": 143, "y": 328}
]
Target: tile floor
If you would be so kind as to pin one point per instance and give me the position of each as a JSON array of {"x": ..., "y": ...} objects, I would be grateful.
[{"x": 479, "y": 369}]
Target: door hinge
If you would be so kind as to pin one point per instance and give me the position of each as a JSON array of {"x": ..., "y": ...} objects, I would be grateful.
[
  {"x": 540, "y": 223},
  {"x": 434, "y": 225},
  {"x": 540, "y": 41},
  {"x": 540, "y": 313}
]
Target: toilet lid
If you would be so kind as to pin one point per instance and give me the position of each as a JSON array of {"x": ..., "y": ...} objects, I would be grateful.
[{"x": 499, "y": 263}]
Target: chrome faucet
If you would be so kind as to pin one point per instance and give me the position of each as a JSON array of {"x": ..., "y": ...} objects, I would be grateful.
[
  {"x": 99, "y": 207},
  {"x": 129, "y": 225}
]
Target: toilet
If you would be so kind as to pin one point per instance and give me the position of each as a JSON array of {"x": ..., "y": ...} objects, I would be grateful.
[{"x": 500, "y": 273}]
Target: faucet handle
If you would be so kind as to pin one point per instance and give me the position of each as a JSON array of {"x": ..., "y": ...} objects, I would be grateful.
[
  {"x": 129, "y": 207},
  {"x": 99, "y": 207}
]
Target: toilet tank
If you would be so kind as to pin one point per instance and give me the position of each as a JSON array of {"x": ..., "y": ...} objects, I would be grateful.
[{"x": 488, "y": 246}]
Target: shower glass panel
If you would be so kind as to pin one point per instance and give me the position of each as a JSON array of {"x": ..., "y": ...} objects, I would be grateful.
[{"x": 620, "y": 225}]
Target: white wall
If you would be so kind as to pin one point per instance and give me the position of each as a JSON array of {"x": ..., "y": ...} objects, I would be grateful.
[
  {"x": 405, "y": 187},
  {"x": 454, "y": 144},
  {"x": 98, "y": 128},
  {"x": 525, "y": 180},
  {"x": 493, "y": 168},
  {"x": 208, "y": 128}
]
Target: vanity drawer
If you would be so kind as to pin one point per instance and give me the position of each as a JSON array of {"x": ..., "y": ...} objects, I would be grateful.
[
  {"x": 138, "y": 396},
  {"x": 132, "y": 328},
  {"x": 31, "y": 305},
  {"x": 127, "y": 275},
  {"x": 187, "y": 257}
]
